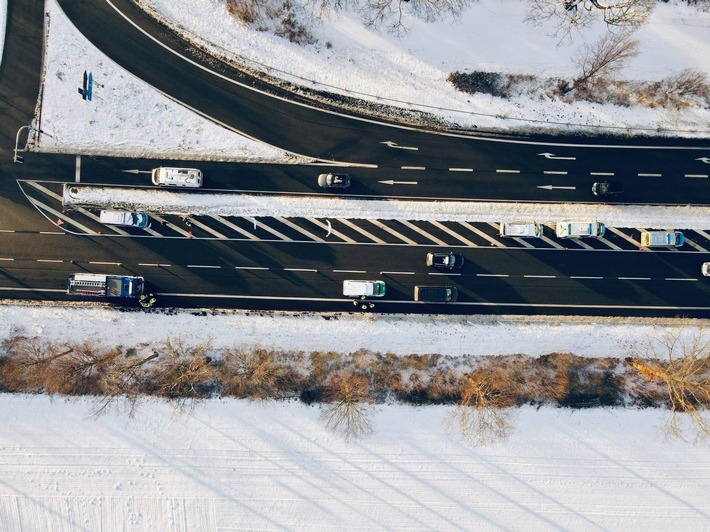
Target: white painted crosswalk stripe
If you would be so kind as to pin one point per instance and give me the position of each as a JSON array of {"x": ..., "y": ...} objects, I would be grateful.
[
  {"x": 361, "y": 230},
  {"x": 335, "y": 232},
  {"x": 452, "y": 233},
  {"x": 295, "y": 227},
  {"x": 423, "y": 232},
  {"x": 483, "y": 235},
  {"x": 392, "y": 232},
  {"x": 624, "y": 236},
  {"x": 265, "y": 227},
  {"x": 205, "y": 228},
  {"x": 235, "y": 227}
]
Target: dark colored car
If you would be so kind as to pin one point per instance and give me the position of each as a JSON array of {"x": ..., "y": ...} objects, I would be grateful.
[
  {"x": 605, "y": 188},
  {"x": 331, "y": 180},
  {"x": 444, "y": 261},
  {"x": 436, "y": 294}
]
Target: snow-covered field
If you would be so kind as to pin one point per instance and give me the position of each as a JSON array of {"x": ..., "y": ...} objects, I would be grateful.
[{"x": 238, "y": 466}]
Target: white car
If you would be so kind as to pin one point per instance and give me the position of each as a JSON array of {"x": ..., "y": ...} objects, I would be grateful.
[
  {"x": 130, "y": 219},
  {"x": 580, "y": 229},
  {"x": 521, "y": 229},
  {"x": 177, "y": 177}
]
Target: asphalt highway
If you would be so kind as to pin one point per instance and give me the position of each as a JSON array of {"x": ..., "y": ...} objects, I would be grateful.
[
  {"x": 283, "y": 275},
  {"x": 36, "y": 256},
  {"x": 229, "y": 97}
]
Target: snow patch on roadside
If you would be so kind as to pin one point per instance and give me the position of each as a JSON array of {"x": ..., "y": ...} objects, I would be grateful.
[{"x": 169, "y": 202}]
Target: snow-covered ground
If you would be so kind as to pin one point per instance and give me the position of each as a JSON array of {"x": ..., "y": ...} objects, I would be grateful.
[
  {"x": 161, "y": 201},
  {"x": 233, "y": 465}
]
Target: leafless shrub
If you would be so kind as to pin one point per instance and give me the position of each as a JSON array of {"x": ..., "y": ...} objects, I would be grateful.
[
  {"x": 124, "y": 382},
  {"x": 183, "y": 374},
  {"x": 256, "y": 374},
  {"x": 678, "y": 90},
  {"x": 604, "y": 58},
  {"x": 684, "y": 368},
  {"x": 246, "y": 11},
  {"x": 345, "y": 400}
]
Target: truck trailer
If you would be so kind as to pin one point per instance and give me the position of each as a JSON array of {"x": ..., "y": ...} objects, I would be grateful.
[{"x": 99, "y": 285}]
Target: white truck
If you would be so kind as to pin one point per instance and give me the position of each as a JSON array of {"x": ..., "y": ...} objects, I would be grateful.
[
  {"x": 650, "y": 239},
  {"x": 363, "y": 289},
  {"x": 177, "y": 177},
  {"x": 99, "y": 285},
  {"x": 580, "y": 229}
]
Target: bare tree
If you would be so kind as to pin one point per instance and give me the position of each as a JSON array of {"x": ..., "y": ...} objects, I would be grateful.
[
  {"x": 684, "y": 369},
  {"x": 344, "y": 407},
  {"x": 569, "y": 14},
  {"x": 604, "y": 58},
  {"x": 482, "y": 416}
]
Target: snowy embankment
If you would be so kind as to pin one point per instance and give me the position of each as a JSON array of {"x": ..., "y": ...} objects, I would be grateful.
[{"x": 168, "y": 202}]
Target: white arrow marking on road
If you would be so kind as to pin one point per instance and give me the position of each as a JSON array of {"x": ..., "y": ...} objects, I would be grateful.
[
  {"x": 393, "y": 182},
  {"x": 393, "y": 144},
  {"x": 705, "y": 160},
  {"x": 330, "y": 228},
  {"x": 552, "y": 156},
  {"x": 137, "y": 171},
  {"x": 550, "y": 187}
]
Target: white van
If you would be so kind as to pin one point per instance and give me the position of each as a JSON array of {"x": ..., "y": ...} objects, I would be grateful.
[
  {"x": 177, "y": 177},
  {"x": 650, "y": 239},
  {"x": 363, "y": 289},
  {"x": 580, "y": 229},
  {"x": 521, "y": 229},
  {"x": 130, "y": 219}
]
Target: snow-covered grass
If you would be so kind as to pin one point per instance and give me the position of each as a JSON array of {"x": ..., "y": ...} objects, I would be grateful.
[
  {"x": 490, "y": 35},
  {"x": 125, "y": 116},
  {"x": 233, "y": 465}
]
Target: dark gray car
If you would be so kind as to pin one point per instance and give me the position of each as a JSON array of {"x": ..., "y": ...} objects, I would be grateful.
[{"x": 436, "y": 294}]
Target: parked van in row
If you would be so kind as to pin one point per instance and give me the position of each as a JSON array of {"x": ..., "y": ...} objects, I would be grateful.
[
  {"x": 521, "y": 229},
  {"x": 580, "y": 229},
  {"x": 129, "y": 219},
  {"x": 436, "y": 294},
  {"x": 177, "y": 177},
  {"x": 363, "y": 289},
  {"x": 651, "y": 239}
]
